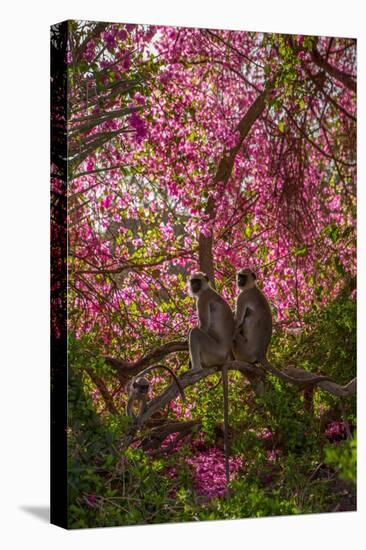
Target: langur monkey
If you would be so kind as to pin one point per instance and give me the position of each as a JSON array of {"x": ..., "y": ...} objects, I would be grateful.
[
  {"x": 253, "y": 327},
  {"x": 210, "y": 343},
  {"x": 138, "y": 387},
  {"x": 253, "y": 320}
]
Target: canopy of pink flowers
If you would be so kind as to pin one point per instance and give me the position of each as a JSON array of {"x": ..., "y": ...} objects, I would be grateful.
[{"x": 137, "y": 202}]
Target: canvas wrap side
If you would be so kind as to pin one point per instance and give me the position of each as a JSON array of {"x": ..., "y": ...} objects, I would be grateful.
[{"x": 58, "y": 42}]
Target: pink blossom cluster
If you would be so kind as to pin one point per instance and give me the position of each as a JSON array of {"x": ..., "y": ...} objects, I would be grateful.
[
  {"x": 209, "y": 471},
  {"x": 335, "y": 430},
  {"x": 273, "y": 454},
  {"x": 265, "y": 434},
  {"x": 139, "y": 125},
  {"x": 208, "y": 465}
]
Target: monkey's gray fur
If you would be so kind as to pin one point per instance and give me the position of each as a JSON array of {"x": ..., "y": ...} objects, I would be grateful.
[
  {"x": 138, "y": 388},
  {"x": 210, "y": 343},
  {"x": 253, "y": 320}
]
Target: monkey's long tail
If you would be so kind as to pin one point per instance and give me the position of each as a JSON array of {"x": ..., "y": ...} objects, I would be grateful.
[{"x": 225, "y": 387}]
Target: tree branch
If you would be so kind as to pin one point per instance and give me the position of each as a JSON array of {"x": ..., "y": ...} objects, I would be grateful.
[
  {"x": 346, "y": 79},
  {"x": 327, "y": 385},
  {"x": 158, "y": 434},
  {"x": 94, "y": 33},
  {"x": 108, "y": 399},
  {"x": 223, "y": 174},
  {"x": 126, "y": 369},
  {"x": 299, "y": 377}
]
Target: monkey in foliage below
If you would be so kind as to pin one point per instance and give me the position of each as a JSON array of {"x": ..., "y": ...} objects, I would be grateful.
[{"x": 138, "y": 388}]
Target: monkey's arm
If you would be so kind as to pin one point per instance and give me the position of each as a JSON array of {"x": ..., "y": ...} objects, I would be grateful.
[
  {"x": 239, "y": 317},
  {"x": 142, "y": 408},
  {"x": 204, "y": 315},
  {"x": 129, "y": 408}
]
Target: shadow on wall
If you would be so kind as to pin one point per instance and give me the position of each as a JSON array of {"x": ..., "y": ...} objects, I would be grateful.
[{"x": 40, "y": 512}]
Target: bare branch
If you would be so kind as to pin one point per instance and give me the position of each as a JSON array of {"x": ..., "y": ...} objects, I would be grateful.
[
  {"x": 126, "y": 369},
  {"x": 327, "y": 385},
  {"x": 346, "y": 79},
  {"x": 223, "y": 173},
  {"x": 107, "y": 397}
]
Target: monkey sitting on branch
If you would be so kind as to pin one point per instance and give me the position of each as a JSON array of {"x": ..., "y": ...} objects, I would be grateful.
[
  {"x": 253, "y": 329},
  {"x": 138, "y": 388},
  {"x": 253, "y": 320},
  {"x": 210, "y": 343}
]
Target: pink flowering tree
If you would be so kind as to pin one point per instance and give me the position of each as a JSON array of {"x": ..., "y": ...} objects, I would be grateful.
[
  {"x": 195, "y": 148},
  {"x": 201, "y": 149}
]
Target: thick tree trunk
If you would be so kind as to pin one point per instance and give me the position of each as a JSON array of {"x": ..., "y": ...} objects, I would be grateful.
[{"x": 223, "y": 173}]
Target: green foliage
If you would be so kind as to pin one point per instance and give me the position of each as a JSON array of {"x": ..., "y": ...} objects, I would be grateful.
[
  {"x": 107, "y": 487},
  {"x": 327, "y": 344},
  {"x": 289, "y": 466},
  {"x": 343, "y": 458},
  {"x": 249, "y": 500}
]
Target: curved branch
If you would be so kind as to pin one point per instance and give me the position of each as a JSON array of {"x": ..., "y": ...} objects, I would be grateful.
[
  {"x": 327, "y": 385},
  {"x": 304, "y": 378},
  {"x": 158, "y": 434},
  {"x": 126, "y": 369},
  {"x": 299, "y": 377},
  {"x": 107, "y": 397}
]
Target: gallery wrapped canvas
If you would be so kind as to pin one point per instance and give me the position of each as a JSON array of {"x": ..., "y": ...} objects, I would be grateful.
[{"x": 203, "y": 274}]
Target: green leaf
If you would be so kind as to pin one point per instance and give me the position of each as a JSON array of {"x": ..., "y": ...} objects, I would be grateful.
[{"x": 300, "y": 251}]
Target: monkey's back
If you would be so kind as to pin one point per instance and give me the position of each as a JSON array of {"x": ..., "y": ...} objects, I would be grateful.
[
  {"x": 259, "y": 316},
  {"x": 221, "y": 317}
]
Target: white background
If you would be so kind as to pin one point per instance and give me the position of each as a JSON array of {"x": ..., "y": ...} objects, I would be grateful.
[{"x": 24, "y": 231}]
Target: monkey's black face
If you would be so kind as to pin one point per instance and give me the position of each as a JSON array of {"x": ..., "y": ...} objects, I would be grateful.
[
  {"x": 196, "y": 285},
  {"x": 142, "y": 386},
  {"x": 242, "y": 279}
]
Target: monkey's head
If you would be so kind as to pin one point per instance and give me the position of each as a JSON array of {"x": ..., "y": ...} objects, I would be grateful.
[
  {"x": 245, "y": 278},
  {"x": 141, "y": 385},
  {"x": 197, "y": 283}
]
